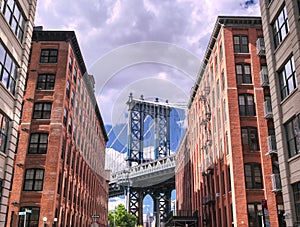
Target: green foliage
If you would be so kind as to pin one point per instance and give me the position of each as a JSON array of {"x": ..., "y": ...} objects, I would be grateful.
[{"x": 121, "y": 218}]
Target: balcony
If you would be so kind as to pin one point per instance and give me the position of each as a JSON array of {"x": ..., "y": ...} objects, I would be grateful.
[
  {"x": 260, "y": 47},
  {"x": 272, "y": 149},
  {"x": 276, "y": 182},
  {"x": 264, "y": 77},
  {"x": 268, "y": 109}
]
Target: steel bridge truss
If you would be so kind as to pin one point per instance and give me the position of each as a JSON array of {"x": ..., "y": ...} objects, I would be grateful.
[
  {"x": 161, "y": 195},
  {"x": 138, "y": 111}
]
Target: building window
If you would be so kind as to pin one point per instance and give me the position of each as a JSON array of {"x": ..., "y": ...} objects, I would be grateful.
[
  {"x": 38, "y": 143},
  {"x": 48, "y": 56},
  {"x": 14, "y": 17},
  {"x": 72, "y": 98},
  {"x": 59, "y": 184},
  {"x": 34, "y": 180},
  {"x": 250, "y": 139},
  {"x": 75, "y": 75},
  {"x": 288, "y": 78},
  {"x": 32, "y": 219},
  {"x": 223, "y": 80},
  {"x": 243, "y": 73},
  {"x": 240, "y": 44},
  {"x": 65, "y": 116},
  {"x": 253, "y": 176},
  {"x": 280, "y": 27},
  {"x": 68, "y": 89},
  {"x": 246, "y": 105},
  {"x": 292, "y": 128},
  {"x": 254, "y": 214},
  {"x": 229, "y": 178},
  {"x": 3, "y": 132},
  {"x": 63, "y": 149},
  {"x": 216, "y": 64},
  {"x": 70, "y": 63},
  {"x": 221, "y": 52},
  {"x": 70, "y": 125},
  {"x": 296, "y": 192},
  {"x": 78, "y": 86},
  {"x": 45, "y": 82},
  {"x": 42, "y": 110},
  {"x": 8, "y": 70}
]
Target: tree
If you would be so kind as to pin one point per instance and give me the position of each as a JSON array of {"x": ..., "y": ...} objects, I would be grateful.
[{"x": 121, "y": 218}]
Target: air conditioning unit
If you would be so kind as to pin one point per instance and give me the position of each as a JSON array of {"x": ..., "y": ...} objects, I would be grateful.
[
  {"x": 276, "y": 182},
  {"x": 268, "y": 109},
  {"x": 264, "y": 77},
  {"x": 272, "y": 148},
  {"x": 260, "y": 47},
  {"x": 217, "y": 194}
]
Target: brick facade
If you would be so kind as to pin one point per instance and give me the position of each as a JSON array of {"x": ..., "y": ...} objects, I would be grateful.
[
  {"x": 74, "y": 185},
  {"x": 228, "y": 131}
]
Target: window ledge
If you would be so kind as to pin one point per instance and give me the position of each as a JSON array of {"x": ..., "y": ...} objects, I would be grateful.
[
  {"x": 294, "y": 157},
  {"x": 289, "y": 96},
  {"x": 43, "y": 90},
  {"x": 243, "y": 54}
]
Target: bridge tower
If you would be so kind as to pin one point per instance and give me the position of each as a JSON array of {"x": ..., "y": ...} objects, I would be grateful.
[
  {"x": 161, "y": 194},
  {"x": 138, "y": 111}
]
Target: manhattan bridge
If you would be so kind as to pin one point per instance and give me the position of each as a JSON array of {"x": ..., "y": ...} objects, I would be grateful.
[{"x": 148, "y": 167}]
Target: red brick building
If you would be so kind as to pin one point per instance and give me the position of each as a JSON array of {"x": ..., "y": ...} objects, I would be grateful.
[
  {"x": 234, "y": 171},
  {"x": 59, "y": 166}
]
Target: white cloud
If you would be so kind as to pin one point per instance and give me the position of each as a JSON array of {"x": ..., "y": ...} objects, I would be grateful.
[
  {"x": 114, "y": 202},
  {"x": 102, "y": 26},
  {"x": 115, "y": 13}
]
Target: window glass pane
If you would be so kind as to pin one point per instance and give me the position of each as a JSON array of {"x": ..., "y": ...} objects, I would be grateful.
[
  {"x": 247, "y": 69},
  {"x": 34, "y": 138},
  {"x": 241, "y": 100}
]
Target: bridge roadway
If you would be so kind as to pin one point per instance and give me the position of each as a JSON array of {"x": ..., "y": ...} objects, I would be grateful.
[{"x": 142, "y": 175}]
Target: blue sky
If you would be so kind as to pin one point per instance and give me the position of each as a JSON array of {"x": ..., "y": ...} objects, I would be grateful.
[{"x": 148, "y": 47}]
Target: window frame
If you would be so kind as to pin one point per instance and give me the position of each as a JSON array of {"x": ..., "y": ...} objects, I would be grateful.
[
  {"x": 35, "y": 181},
  {"x": 250, "y": 144},
  {"x": 8, "y": 70},
  {"x": 68, "y": 89},
  {"x": 38, "y": 144},
  {"x": 289, "y": 66},
  {"x": 240, "y": 47},
  {"x": 296, "y": 199},
  {"x": 254, "y": 184},
  {"x": 249, "y": 110},
  {"x": 257, "y": 219},
  {"x": 4, "y": 126},
  {"x": 277, "y": 27},
  {"x": 65, "y": 117},
  {"x": 35, "y": 213},
  {"x": 243, "y": 77},
  {"x": 48, "y": 83},
  {"x": 49, "y": 56},
  {"x": 42, "y": 113},
  {"x": 293, "y": 127},
  {"x": 14, "y": 17}
]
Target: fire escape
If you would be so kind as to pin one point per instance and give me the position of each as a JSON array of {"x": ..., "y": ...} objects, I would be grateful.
[{"x": 208, "y": 195}]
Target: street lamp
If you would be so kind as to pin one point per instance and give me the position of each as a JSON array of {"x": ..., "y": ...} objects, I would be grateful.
[{"x": 45, "y": 220}]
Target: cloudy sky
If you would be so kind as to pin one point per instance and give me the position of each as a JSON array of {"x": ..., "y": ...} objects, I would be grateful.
[{"x": 149, "y": 47}]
